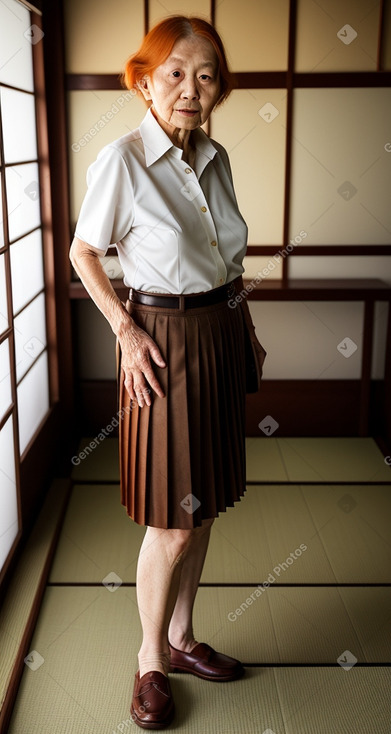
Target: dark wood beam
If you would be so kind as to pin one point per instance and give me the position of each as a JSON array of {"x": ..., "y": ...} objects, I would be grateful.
[{"x": 255, "y": 80}]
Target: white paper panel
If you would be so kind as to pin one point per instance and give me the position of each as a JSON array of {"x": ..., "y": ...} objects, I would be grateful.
[
  {"x": 96, "y": 343},
  {"x": 5, "y": 378},
  {"x": 261, "y": 268},
  {"x": 119, "y": 25},
  {"x": 30, "y": 335},
  {"x": 33, "y": 400},
  {"x": 302, "y": 338},
  {"x": 22, "y": 199},
  {"x": 19, "y": 126},
  {"x": 252, "y": 127},
  {"x": 3, "y": 297},
  {"x": 341, "y": 168},
  {"x": 26, "y": 269},
  {"x": 386, "y": 65},
  {"x": 353, "y": 267},
  {"x": 159, "y": 10},
  {"x": 317, "y": 266},
  {"x": 90, "y": 129},
  {"x": 16, "y": 63},
  {"x": 255, "y": 33},
  {"x": 337, "y": 36},
  {"x": 1, "y": 223},
  {"x": 8, "y": 497}
]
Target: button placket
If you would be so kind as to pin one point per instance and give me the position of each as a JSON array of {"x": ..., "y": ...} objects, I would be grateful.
[
  {"x": 209, "y": 227},
  {"x": 193, "y": 192}
]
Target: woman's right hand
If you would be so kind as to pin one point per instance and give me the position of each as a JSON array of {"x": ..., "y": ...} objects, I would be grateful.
[
  {"x": 136, "y": 345},
  {"x": 137, "y": 350}
]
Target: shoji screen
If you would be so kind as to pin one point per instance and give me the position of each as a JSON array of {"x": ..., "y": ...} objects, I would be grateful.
[{"x": 24, "y": 379}]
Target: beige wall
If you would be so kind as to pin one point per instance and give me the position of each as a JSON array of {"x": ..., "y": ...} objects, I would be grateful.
[
  {"x": 257, "y": 153},
  {"x": 339, "y": 136},
  {"x": 159, "y": 9},
  {"x": 255, "y": 33},
  {"x": 100, "y": 35},
  {"x": 319, "y": 49}
]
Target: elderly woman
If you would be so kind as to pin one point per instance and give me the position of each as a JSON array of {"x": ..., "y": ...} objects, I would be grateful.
[{"x": 163, "y": 194}]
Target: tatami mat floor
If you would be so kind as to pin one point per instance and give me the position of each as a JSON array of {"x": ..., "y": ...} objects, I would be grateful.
[{"x": 313, "y": 525}]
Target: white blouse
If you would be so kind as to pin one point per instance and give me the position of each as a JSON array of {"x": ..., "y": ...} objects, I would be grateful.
[{"x": 176, "y": 229}]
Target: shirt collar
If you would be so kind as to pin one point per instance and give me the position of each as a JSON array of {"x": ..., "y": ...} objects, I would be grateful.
[{"x": 157, "y": 143}]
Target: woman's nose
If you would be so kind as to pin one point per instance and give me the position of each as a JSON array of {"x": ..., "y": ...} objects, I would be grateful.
[{"x": 189, "y": 89}]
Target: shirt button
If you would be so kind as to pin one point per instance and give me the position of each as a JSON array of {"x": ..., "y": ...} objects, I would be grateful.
[
  {"x": 213, "y": 243},
  {"x": 188, "y": 170},
  {"x": 204, "y": 209},
  {"x": 221, "y": 280}
]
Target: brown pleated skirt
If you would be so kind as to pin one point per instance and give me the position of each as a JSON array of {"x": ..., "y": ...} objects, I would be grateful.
[{"x": 182, "y": 459}]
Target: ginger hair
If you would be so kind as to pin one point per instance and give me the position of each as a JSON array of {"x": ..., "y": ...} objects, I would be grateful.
[{"x": 159, "y": 42}]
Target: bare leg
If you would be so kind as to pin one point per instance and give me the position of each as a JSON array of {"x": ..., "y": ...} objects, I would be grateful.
[
  {"x": 180, "y": 632},
  {"x": 158, "y": 575}
]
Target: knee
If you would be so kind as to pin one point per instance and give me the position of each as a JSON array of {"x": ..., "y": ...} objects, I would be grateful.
[{"x": 178, "y": 543}]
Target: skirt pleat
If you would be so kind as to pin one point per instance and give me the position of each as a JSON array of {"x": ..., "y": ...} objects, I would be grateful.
[{"x": 182, "y": 459}]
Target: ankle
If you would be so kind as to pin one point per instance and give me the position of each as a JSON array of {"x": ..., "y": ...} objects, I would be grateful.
[
  {"x": 149, "y": 661},
  {"x": 184, "y": 642}
]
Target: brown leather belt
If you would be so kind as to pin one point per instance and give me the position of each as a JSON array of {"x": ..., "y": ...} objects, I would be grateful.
[{"x": 184, "y": 302}]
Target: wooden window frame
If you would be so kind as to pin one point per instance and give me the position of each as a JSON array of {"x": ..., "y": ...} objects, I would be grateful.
[{"x": 51, "y": 443}]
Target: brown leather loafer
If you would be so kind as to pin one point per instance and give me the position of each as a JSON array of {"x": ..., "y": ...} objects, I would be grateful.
[
  {"x": 152, "y": 705},
  {"x": 204, "y": 662}
]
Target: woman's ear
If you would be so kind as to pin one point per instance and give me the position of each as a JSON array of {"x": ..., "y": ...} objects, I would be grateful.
[{"x": 144, "y": 88}]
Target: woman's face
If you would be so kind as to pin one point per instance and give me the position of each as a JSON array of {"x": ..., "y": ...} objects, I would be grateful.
[{"x": 185, "y": 88}]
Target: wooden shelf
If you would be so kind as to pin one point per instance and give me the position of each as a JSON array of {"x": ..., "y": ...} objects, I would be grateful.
[
  {"x": 343, "y": 289},
  {"x": 356, "y": 289}
]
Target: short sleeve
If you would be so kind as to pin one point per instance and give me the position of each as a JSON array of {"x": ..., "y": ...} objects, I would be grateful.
[
  {"x": 224, "y": 158},
  {"x": 106, "y": 213}
]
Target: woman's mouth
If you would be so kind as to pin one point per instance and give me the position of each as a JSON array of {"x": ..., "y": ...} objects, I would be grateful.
[{"x": 188, "y": 113}]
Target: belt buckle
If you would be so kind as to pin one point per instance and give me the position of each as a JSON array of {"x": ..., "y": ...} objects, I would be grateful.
[{"x": 231, "y": 290}]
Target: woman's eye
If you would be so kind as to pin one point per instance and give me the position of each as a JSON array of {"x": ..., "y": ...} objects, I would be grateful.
[
  {"x": 176, "y": 74},
  {"x": 204, "y": 77}
]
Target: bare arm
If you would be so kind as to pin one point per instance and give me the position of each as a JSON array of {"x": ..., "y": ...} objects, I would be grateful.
[{"x": 137, "y": 347}]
